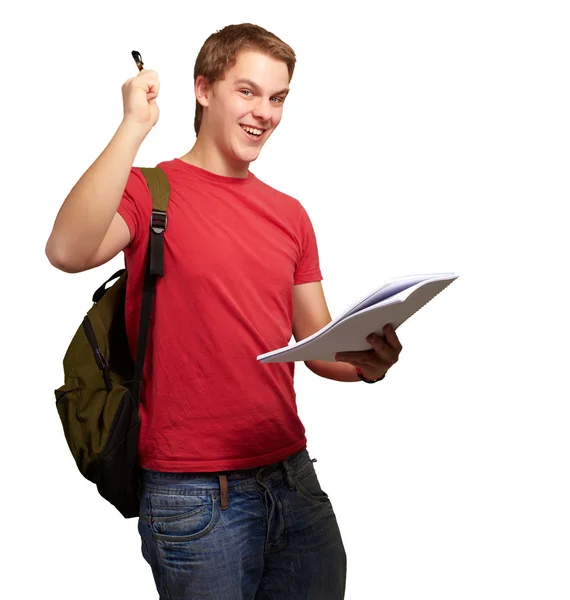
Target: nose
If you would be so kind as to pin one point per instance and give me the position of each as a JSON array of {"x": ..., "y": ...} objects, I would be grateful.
[{"x": 262, "y": 110}]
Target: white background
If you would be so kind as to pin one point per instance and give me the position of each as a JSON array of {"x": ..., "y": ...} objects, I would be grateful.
[{"x": 426, "y": 137}]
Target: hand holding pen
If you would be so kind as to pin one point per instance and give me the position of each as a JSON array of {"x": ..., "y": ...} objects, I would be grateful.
[{"x": 139, "y": 96}]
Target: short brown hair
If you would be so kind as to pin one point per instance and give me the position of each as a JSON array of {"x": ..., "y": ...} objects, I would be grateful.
[{"x": 220, "y": 51}]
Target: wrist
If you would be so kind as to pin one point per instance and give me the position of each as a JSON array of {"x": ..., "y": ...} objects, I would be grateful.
[
  {"x": 133, "y": 130},
  {"x": 365, "y": 379}
]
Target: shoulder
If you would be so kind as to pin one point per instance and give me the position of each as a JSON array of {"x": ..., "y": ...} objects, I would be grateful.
[{"x": 279, "y": 196}]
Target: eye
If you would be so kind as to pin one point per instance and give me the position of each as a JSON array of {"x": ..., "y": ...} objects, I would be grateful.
[{"x": 279, "y": 99}]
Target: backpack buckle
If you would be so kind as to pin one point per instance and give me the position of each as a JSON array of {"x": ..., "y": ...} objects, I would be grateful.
[{"x": 159, "y": 220}]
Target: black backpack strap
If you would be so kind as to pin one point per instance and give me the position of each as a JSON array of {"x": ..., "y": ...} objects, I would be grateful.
[
  {"x": 101, "y": 290},
  {"x": 159, "y": 187}
]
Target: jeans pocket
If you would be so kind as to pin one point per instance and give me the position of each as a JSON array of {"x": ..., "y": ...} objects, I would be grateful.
[
  {"x": 307, "y": 483},
  {"x": 182, "y": 517}
]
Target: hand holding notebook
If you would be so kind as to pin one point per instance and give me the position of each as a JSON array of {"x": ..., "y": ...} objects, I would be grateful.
[{"x": 393, "y": 303}]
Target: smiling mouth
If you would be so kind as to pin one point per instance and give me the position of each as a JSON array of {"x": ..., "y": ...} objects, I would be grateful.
[{"x": 253, "y": 136}]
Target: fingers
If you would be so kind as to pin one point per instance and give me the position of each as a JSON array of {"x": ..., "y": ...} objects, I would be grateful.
[
  {"x": 384, "y": 350},
  {"x": 360, "y": 361},
  {"x": 365, "y": 358},
  {"x": 392, "y": 339},
  {"x": 388, "y": 348}
]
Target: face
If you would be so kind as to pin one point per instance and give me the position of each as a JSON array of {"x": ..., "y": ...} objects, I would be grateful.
[{"x": 234, "y": 103}]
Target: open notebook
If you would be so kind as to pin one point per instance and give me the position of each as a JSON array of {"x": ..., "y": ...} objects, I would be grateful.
[{"x": 395, "y": 302}]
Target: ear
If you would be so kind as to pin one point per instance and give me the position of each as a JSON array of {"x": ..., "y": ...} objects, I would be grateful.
[{"x": 203, "y": 90}]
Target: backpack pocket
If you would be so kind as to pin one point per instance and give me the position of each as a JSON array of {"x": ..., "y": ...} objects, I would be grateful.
[{"x": 67, "y": 399}]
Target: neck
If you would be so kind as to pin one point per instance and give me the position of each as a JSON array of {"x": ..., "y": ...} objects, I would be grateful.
[{"x": 206, "y": 155}]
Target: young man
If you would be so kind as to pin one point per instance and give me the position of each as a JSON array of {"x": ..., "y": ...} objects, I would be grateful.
[{"x": 231, "y": 506}]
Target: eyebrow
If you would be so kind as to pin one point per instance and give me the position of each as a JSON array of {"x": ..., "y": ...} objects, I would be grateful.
[{"x": 257, "y": 88}]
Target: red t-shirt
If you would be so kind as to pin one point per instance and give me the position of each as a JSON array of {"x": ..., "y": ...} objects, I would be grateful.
[{"x": 233, "y": 249}]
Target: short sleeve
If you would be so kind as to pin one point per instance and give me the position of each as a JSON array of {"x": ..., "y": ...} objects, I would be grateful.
[
  {"x": 308, "y": 267},
  {"x": 135, "y": 206}
]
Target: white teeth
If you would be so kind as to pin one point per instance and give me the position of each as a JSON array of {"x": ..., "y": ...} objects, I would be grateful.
[{"x": 252, "y": 130}]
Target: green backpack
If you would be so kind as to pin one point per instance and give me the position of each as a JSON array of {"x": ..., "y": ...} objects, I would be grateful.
[{"x": 99, "y": 402}]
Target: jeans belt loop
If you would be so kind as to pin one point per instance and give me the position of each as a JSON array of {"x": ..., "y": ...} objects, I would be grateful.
[
  {"x": 224, "y": 491},
  {"x": 289, "y": 473}
]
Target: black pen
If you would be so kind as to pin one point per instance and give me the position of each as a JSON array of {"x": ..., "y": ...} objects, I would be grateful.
[{"x": 138, "y": 59}]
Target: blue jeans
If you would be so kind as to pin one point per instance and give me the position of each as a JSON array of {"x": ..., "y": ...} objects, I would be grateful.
[{"x": 268, "y": 533}]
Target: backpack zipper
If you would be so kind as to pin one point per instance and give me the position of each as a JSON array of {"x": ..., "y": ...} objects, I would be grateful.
[{"x": 100, "y": 359}]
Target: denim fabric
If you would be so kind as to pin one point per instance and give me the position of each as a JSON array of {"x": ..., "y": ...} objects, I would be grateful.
[{"x": 278, "y": 539}]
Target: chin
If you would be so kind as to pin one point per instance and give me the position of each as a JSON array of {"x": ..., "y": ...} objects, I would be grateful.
[{"x": 247, "y": 157}]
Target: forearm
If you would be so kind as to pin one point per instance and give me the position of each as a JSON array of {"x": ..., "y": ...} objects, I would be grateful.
[
  {"x": 338, "y": 371},
  {"x": 88, "y": 210}
]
